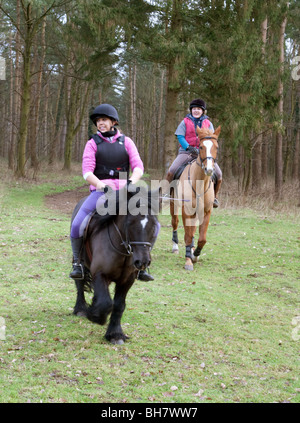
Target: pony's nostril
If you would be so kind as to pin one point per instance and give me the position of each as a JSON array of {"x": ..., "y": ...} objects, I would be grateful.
[
  {"x": 138, "y": 264},
  {"x": 142, "y": 265}
]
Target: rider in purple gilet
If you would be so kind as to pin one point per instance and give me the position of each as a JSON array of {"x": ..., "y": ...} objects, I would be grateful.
[{"x": 105, "y": 155}]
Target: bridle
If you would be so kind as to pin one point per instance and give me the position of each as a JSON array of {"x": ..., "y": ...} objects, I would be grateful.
[
  {"x": 127, "y": 244},
  {"x": 201, "y": 164}
]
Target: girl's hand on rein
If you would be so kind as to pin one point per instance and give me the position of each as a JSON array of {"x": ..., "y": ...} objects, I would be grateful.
[{"x": 101, "y": 187}]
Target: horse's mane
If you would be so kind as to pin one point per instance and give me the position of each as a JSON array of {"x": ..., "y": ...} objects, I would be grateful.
[
  {"x": 101, "y": 221},
  {"x": 205, "y": 132},
  {"x": 202, "y": 132}
]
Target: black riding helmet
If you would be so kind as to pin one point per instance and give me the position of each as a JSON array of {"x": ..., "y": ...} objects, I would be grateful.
[
  {"x": 198, "y": 102},
  {"x": 104, "y": 110}
]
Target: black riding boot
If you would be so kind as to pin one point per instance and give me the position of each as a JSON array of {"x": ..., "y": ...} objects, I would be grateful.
[
  {"x": 78, "y": 271},
  {"x": 144, "y": 276},
  {"x": 217, "y": 186}
]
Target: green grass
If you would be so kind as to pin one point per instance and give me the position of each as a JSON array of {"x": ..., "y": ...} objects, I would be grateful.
[{"x": 222, "y": 333}]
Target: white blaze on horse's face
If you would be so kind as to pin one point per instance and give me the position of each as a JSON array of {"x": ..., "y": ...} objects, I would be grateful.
[
  {"x": 209, "y": 168},
  {"x": 144, "y": 222}
]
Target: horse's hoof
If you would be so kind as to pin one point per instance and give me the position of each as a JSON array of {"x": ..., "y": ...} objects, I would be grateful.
[
  {"x": 81, "y": 314},
  {"x": 189, "y": 267},
  {"x": 175, "y": 249},
  {"x": 117, "y": 341},
  {"x": 188, "y": 264}
]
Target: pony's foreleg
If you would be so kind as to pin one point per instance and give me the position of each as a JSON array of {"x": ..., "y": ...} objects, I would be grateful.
[
  {"x": 102, "y": 303},
  {"x": 114, "y": 331},
  {"x": 175, "y": 220},
  {"x": 202, "y": 234},
  {"x": 80, "y": 308},
  {"x": 175, "y": 248}
]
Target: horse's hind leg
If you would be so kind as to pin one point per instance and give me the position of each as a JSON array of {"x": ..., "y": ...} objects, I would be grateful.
[
  {"x": 80, "y": 308},
  {"x": 114, "y": 332},
  {"x": 102, "y": 303}
]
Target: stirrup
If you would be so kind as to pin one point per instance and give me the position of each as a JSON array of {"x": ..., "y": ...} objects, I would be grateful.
[{"x": 77, "y": 272}]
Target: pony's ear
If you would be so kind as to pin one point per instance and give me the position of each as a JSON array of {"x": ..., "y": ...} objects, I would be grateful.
[
  {"x": 198, "y": 130},
  {"x": 217, "y": 131}
]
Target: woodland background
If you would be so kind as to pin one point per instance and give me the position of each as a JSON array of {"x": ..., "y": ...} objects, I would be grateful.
[{"x": 150, "y": 59}]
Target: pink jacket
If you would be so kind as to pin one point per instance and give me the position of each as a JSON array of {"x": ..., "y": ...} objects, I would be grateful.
[{"x": 89, "y": 160}]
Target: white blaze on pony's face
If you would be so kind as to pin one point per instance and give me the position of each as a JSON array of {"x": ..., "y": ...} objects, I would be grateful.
[
  {"x": 144, "y": 222},
  {"x": 209, "y": 168},
  {"x": 208, "y": 148}
]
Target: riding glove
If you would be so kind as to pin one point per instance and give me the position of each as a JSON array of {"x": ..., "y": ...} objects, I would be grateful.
[{"x": 192, "y": 150}]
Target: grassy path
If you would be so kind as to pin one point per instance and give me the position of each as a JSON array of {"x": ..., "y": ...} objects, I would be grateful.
[{"x": 227, "y": 332}]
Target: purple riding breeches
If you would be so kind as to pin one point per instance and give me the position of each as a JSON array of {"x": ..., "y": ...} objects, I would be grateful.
[{"x": 87, "y": 208}]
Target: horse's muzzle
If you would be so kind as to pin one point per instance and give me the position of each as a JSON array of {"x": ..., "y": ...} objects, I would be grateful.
[
  {"x": 141, "y": 264},
  {"x": 209, "y": 172}
]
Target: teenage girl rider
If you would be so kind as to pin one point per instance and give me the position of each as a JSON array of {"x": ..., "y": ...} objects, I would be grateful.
[
  {"x": 105, "y": 155},
  {"x": 189, "y": 143}
]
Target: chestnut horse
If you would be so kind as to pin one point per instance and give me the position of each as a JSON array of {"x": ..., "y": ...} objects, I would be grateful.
[{"x": 196, "y": 189}]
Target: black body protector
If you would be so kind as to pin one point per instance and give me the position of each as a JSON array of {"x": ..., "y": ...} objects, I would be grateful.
[{"x": 111, "y": 158}]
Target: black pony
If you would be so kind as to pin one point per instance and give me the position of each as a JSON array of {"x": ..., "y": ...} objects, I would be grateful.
[{"x": 117, "y": 247}]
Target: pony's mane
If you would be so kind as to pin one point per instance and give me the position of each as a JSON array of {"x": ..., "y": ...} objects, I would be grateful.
[
  {"x": 101, "y": 221},
  {"x": 204, "y": 132}
]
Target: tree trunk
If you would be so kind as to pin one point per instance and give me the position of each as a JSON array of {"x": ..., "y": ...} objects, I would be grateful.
[
  {"x": 16, "y": 95},
  {"x": 278, "y": 148},
  {"x": 296, "y": 158},
  {"x": 256, "y": 162},
  {"x": 257, "y": 157},
  {"x": 74, "y": 109},
  {"x": 170, "y": 119},
  {"x": 34, "y": 133},
  {"x": 264, "y": 159},
  {"x": 25, "y": 106},
  {"x": 11, "y": 147},
  {"x": 132, "y": 75},
  {"x": 160, "y": 123},
  {"x": 57, "y": 116}
]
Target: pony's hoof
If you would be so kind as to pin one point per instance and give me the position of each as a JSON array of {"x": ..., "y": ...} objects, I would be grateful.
[
  {"x": 188, "y": 264},
  {"x": 81, "y": 314},
  {"x": 194, "y": 259},
  {"x": 116, "y": 338},
  {"x": 175, "y": 249},
  {"x": 189, "y": 267},
  {"x": 117, "y": 341}
]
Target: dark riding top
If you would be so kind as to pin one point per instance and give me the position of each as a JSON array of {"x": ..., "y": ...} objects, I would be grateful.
[{"x": 111, "y": 158}]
